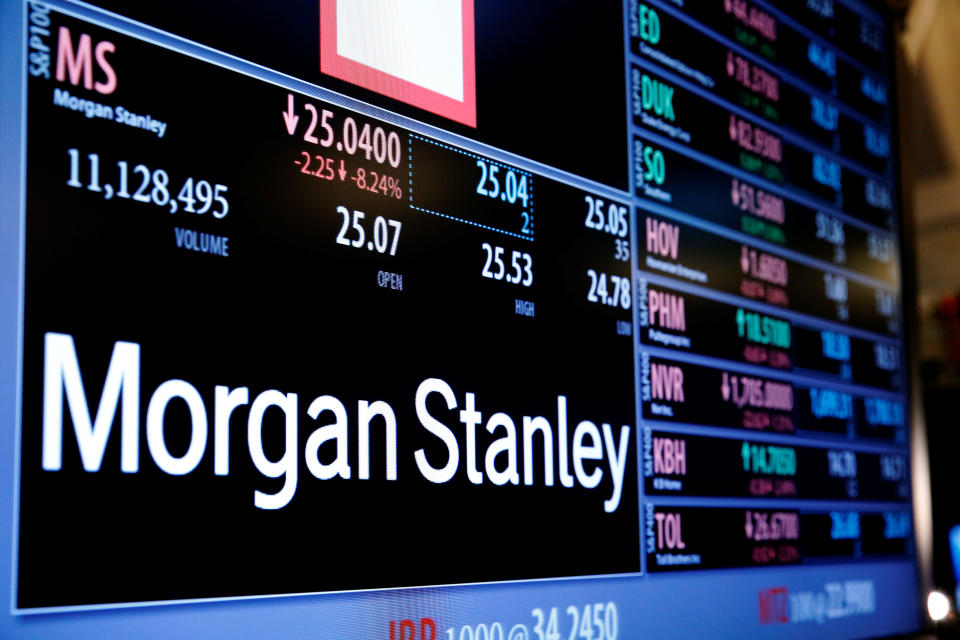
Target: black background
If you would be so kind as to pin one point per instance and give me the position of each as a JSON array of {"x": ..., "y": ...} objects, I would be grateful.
[{"x": 292, "y": 310}]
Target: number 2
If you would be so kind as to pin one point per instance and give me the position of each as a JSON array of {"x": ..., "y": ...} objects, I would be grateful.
[
  {"x": 591, "y": 207},
  {"x": 573, "y": 612},
  {"x": 483, "y": 178},
  {"x": 485, "y": 272},
  {"x": 493, "y": 193},
  {"x": 342, "y": 236},
  {"x": 308, "y": 134},
  {"x": 326, "y": 142},
  {"x": 141, "y": 193},
  {"x": 357, "y": 217}
]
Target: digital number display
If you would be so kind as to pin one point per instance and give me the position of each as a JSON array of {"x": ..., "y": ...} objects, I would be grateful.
[{"x": 491, "y": 326}]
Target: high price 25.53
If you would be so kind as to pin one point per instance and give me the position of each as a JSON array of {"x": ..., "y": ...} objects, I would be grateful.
[{"x": 519, "y": 271}]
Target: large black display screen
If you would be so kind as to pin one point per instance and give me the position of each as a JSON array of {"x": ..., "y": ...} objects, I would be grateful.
[{"x": 498, "y": 338}]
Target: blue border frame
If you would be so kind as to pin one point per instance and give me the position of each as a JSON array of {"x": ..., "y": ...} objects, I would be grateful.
[{"x": 355, "y": 614}]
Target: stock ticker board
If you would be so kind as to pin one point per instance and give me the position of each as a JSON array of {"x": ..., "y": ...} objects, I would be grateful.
[{"x": 597, "y": 323}]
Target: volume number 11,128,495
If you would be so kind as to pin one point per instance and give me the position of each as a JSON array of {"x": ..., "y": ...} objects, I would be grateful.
[{"x": 194, "y": 196}]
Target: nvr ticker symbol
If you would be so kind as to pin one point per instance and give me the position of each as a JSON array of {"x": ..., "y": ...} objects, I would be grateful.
[{"x": 666, "y": 382}]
